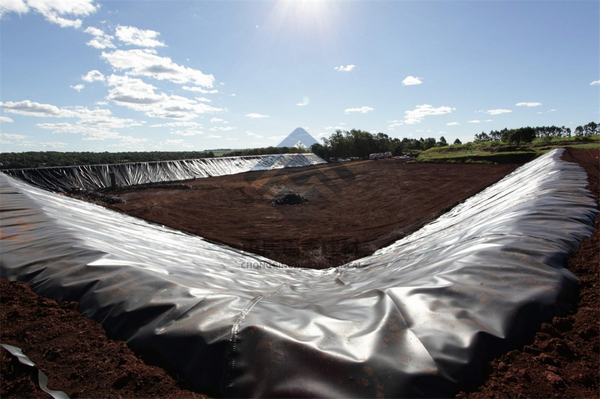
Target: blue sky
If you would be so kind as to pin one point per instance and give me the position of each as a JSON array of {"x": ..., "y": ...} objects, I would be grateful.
[{"x": 85, "y": 75}]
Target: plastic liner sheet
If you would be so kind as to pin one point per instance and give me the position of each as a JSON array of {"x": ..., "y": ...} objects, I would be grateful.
[
  {"x": 94, "y": 177},
  {"x": 416, "y": 319},
  {"x": 41, "y": 377}
]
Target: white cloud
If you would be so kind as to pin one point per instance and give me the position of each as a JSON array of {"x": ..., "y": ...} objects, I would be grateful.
[
  {"x": 411, "y": 81},
  {"x": 474, "y": 121},
  {"x": 497, "y": 111},
  {"x": 453, "y": 124},
  {"x": 173, "y": 142},
  {"x": 92, "y": 117},
  {"x": 140, "y": 96},
  {"x": 30, "y": 108},
  {"x": 552, "y": 110},
  {"x": 222, "y": 128},
  {"x": 131, "y": 90},
  {"x": 93, "y": 76},
  {"x": 255, "y": 115},
  {"x": 394, "y": 123},
  {"x": 258, "y": 136},
  {"x": 93, "y": 124},
  {"x": 80, "y": 8},
  {"x": 93, "y": 129},
  {"x": 78, "y": 87},
  {"x": 17, "y": 6},
  {"x": 27, "y": 143},
  {"x": 339, "y": 127},
  {"x": 362, "y": 110},
  {"x": 138, "y": 37},
  {"x": 140, "y": 62},
  {"x": 132, "y": 140},
  {"x": 524, "y": 104},
  {"x": 346, "y": 68},
  {"x": 233, "y": 95},
  {"x": 595, "y": 82},
  {"x": 303, "y": 103},
  {"x": 178, "y": 124},
  {"x": 102, "y": 118},
  {"x": 101, "y": 40},
  {"x": 12, "y": 136},
  {"x": 5, "y": 119},
  {"x": 204, "y": 99},
  {"x": 200, "y": 90},
  {"x": 188, "y": 132},
  {"x": 213, "y": 120},
  {"x": 53, "y": 144},
  {"x": 421, "y": 111},
  {"x": 63, "y": 22},
  {"x": 66, "y": 127},
  {"x": 213, "y": 136},
  {"x": 52, "y": 10}
]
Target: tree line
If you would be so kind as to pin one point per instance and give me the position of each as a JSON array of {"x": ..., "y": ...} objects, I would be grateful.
[
  {"x": 358, "y": 143},
  {"x": 341, "y": 144},
  {"x": 39, "y": 159},
  {"x": 528, "y": 134}
]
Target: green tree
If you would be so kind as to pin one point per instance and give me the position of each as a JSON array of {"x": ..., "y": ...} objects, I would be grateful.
[
  {"x": 518, "y": 136},
  {"x": 428, "y": 143},
  {"x": 483, "y": 137},
  {"x": 590, "y": 129}
]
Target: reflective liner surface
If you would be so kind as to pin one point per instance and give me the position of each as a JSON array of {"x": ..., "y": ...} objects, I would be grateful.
[
  {"x": 416, "y": 319},
  {"x": 94, "y": 177}
]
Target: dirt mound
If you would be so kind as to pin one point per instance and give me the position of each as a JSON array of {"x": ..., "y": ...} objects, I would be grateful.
[{"x": 289, "y": 199}]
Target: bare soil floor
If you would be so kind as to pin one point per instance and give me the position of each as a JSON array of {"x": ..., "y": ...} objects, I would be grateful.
[
  {"x": 391, "y": 200},
  {"x": 352, "y": 209}
]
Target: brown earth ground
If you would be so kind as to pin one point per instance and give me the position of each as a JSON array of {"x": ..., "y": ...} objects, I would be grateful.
[
  {"x": 353, "y": 208},
  {"x": 562, "y": 359}
]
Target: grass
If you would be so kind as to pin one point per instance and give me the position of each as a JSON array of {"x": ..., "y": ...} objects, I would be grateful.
[{"x": 497, "y": 152}]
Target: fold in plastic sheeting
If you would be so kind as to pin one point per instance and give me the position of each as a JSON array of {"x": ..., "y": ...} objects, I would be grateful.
[
  {"x": 94, "y": 177},
  {"x": 418, "y": 318}
]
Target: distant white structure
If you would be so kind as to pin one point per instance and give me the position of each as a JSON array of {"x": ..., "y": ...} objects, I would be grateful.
[{"x": 300, "y": 145}]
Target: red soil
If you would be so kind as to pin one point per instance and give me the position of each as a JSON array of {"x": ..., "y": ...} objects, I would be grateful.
[
  {"x": 353, "y": 209},
  {"x": 561, "y": 361}
]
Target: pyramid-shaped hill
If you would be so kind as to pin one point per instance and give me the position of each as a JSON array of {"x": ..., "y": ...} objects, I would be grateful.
[{"x": 297, "y": 137}]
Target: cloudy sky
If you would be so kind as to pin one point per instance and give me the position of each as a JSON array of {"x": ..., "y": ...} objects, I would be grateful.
[{"x": 86, "y": 75}]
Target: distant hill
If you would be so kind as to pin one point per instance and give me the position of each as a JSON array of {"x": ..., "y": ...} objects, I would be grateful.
[{"x": 298, "y": 138}]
